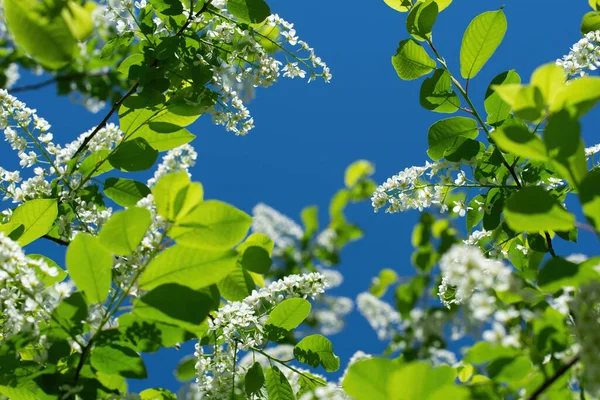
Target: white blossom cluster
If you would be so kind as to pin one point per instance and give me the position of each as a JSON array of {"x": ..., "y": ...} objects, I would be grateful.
[
  {"x": 505, "y": 329},
  {"x": 282, "y": 230},
  {"x": 584, "y": 56},
  {"x": 592, "y": 150},
  {"x": 418, "y": 188},
  {"x": 23, "y": 301},
  {"x": 468, "y": 277},
  {"x": 329, "y": 311},
  {"x": 247, "y": 66},
  {"x": 382, "y": 317},
  {"x": 586, "y": 312},
  {"x": 240, "y": 325},
  {"x": 181, "y": 158}
]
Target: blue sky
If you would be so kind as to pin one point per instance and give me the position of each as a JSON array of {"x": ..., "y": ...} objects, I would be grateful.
[{"x": 306, "y": 134}]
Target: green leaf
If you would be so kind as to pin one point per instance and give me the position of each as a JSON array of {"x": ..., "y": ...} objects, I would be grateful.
[
  {"x": 497, "y": 109},
  {"x": 419, "y": 381},
  {"x": 368, "y": 379},
  {"x": 565, "y": 147},
  {"x": 590, "y": 22},
  {"x": 90, "y": 266},
  {"x": 310, "y": 219},
  {"x": 78, "y": 19},
  {"x": 187, "y": 309},
  {"x": 421, "y": 19},
  {"x": 384, "y": 280},
  {"x": 483, "y": 352},
  {"x": 482, "y": 37},
  {"x": 578, "y": 97},
  {"x": 254, "y": 379},
  {"x": 437, "y": 94},
  {"x": 160, "y": 123},
  {"x": 124, "y": 231},
  {"x": 188, "y": 267},
  {"x": 448, "y": 134},
  {"x": 170, "y": 193},
  {"x": 36, "y": 218},
  {"x": 118, "y": 360},
  {"x": 168, "y": 7},
  {"x": 237, "y": 285},
  {"x": 519, "y": 141},
  {"x": 399, "y": 5},
  {"x": 509, "y": 369},
  {"x": 559, "y": 273},
  {"x": 357, "y": 171},
  {"x": 589, "y": 193},
  {"x": 288, "y": 314},
  {"x": 125, "y": 192},
  {"x": 317, "y": 349},
  {"x": 529, "y": 103},
  {"x": 211, "y": 225},
  {"x": 133, "y": 155},
  {"x": 253, "y": 11},
  {"x": 150, "y": 336},
  {"x": 256, "y": 259},
  {"x": 41, "y": 33},
  {"x": 257, "y": 239},
  {"x": 412, "y": 61},
  {"x": 68, "y": 316},
  {"x": 474, "y": 216},
  {"x": 116, "y": 43},
  {"x": 48, "y": 280},
  {"x": 532, "y": 209},
  {"x": 95, "y": 164},
  {"x": 550, "y": 79},
  {"x": 278, "y": 387},
  {"x": 186, "y": 370},
  {"x": 157, "y": 394}
]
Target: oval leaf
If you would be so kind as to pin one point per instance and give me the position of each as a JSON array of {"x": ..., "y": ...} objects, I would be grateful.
[
  {"x": 411, "y": 60},
  {"x": 532, "y": 209},
  {"x": 90, "y": 266},
  {"x": 482, "y": 37},
  {"x": 124, "y": 231},
  {"x": 118, "y": 360}
]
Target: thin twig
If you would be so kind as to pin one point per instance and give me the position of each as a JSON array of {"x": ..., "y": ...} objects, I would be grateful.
[{"x": 548, "y": 382}]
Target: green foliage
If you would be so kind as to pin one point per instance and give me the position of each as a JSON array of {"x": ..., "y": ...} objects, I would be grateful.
[
  {"x": 369, "y": 379},
  {"x": 124, "y": 231},
  {"x": 254, "y": 11},
  {"x": 118, "y": 360},
  {"x": 194, "y": 269},
  {"x": 254, "y": 379},
  {"x": 32, "y": 220},
  {"x": 482, "y": 37},
  {"x": 315, "y": 350},
  {"x": 565, "y": 147},
  {"x": 125, "y": 192},
  {"x": 559, "y": 273},
  {"x": 278, "y": 387},
  {"x": 133, "y": 155},
  {"x": 446, "y": 136},
  {"x": 286, "y": 316},
  {"x": 411, "y": 60},
  {"x": 518, "y": 140},
  {"x": 90, "y": 266},
  {"x": 437, "y": 94},
  {"x": 211, "y": 225},
  {"x": 589, "y": 193},
  {"x": 497, "y": 109},
  {"x": 421, "y": 19},
  {"x": 532, "y": 209},
  {"x": 49, "y": 39}
]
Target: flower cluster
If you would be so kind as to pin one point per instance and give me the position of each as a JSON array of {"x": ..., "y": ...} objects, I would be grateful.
[
  {"x": 586, "y": 312},
  {"x": 181, "y": 158},
  {"x": 23, "y": 301},
  {"x": 468, "y": 277},
  {"x": 329, "y": 311},
  {"x": 415, "y": 188},
  {"x": 382, "y": 317},
  {"x": 240, "y": 325},
  {"x": 283, "y": 231},
  {"x": 584, "y": 56}
]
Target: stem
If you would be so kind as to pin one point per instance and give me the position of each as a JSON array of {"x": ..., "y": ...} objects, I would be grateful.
[
  {"x": 55, "y": 79},
  {"x": 284, "y": 364},
  {"x": 548, "y": 382},
  {"x": 465, "y": 96}
]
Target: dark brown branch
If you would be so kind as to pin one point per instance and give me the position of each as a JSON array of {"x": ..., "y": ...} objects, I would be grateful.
[
  {"x": 55, "y": 79},
  {"x": 560, "y": 372}
]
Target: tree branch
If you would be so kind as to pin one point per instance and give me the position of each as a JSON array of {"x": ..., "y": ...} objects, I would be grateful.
[{"x": 560, "y": 372}]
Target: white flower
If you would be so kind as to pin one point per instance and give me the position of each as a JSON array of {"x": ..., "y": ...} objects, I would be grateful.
[
  {"x": 460, "y": 208},
  {"x": 381, "y": 316}
]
